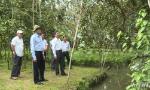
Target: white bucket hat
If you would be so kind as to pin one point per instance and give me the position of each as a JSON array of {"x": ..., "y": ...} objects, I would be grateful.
[
  {"x": 19, "y": 31},
  {"x": 36, "y": 27}
]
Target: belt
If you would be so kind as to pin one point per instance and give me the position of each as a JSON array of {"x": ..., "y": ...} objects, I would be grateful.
[
  {"x": 38, "y": 51},
  {"x": 65, "y": 51},
  {"x": 58, "y": 50}
]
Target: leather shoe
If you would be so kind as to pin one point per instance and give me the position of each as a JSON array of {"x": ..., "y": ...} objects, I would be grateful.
[
  {"x": 39, "y": 83},
  {"x": 44, "y": 80},
  {"x": 64, "y": 74}
]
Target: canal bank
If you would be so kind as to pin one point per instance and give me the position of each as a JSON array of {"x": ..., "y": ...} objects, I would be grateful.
[{"x": 117, "y": 79}]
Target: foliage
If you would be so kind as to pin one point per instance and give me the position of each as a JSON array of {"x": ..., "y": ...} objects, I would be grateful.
[
  {"x": 93, "y": 57},
  {"x": 141, "y": 68},
  {"x": 140, "y": 76},
  {"x": 100, "y": 20}
]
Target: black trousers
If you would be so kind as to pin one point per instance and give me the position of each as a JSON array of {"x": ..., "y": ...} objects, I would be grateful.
[
  {"x": 17, "y": 62},
  {"x": 66, "y": 56},
  {"x": 59, "y": 62},
  {"x": 53, "y": 62},
  {"x": 39, "y": 67}
]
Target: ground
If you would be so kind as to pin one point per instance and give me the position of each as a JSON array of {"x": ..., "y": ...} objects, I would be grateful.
[{"x": 54, "y": 82}]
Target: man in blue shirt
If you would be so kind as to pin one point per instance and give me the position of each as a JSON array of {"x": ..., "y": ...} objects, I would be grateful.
[{"x": 36, "y": 45}]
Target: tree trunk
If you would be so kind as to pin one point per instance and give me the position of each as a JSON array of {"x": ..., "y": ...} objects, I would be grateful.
[
  {"x": 40, "y": 16},
  {"x": 148, "y": 3},
  {"x": 33, "y": 12}
]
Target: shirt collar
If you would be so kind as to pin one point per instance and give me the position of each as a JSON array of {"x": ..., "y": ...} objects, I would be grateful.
[
  {"x": 18, "y": 37},
  {"x": 37, "y": 35}
]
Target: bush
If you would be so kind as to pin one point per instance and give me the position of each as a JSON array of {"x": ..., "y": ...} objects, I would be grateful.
[{"x": 95, "y": 58}]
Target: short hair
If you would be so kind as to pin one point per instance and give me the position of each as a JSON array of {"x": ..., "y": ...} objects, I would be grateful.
[{"x": 53, "y": 34}]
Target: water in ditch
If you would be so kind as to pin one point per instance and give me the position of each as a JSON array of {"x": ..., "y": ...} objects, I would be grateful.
[{"x": 118, "y": 79}]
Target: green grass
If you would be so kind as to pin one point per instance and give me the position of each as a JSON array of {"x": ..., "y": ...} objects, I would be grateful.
[
  {"x": 54, "y": 82},
  {"x": 81, "y": 57}
]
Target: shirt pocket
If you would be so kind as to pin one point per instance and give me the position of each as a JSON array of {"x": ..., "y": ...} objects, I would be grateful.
[{"x": 38, "y": 40}]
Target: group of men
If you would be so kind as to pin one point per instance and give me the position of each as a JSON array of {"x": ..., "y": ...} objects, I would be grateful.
[{"x": 39, "y": 46}]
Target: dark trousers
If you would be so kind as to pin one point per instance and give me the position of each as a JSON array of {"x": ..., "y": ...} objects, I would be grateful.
[
  {"x": 53, "y": 62},
  {"x": 66, "y": 56},
  {"x": 39, "y": 67},
  {"x": 59, "y": 62},
  {"x": 45, "y": 55},
  {"x": 17, "y": 62}
]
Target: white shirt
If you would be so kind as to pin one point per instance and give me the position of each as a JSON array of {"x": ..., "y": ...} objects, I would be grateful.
[
  {"x": 56, "y": 45},
  {"x": 65, "y": 46},
  {"x": 19, "y": 45},
  {"x": 45, "y": 43},
  {"x": 50, "y": 43},
  {"x": 36, "y": 44}
]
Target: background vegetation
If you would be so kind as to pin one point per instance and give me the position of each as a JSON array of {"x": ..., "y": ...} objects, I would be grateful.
[{"x": 109, "y": 30}]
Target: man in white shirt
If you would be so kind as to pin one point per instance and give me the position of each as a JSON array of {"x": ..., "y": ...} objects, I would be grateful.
[
  {"x": 17, "y": 47},
  {"x": 53, "y": 64},
  {"x": 65, "y": 50},
  {"x": 45, "y": 45},
  {"x": 57, "y": 53}
]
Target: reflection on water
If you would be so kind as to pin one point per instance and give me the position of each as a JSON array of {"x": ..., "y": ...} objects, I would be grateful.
[{"x": 117, "y": 79}]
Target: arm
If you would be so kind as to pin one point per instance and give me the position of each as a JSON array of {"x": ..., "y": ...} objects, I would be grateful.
[
  {"x": 46, "y": 47},
  {"x": 53, "y": 44},
  {"x": 13, "y": 49},
  {"x": 13, "y": 43},
  {"x": 69, "y": 46},
  {"x": 50, "y": 45},
  {"x": 32, "y": 48}
]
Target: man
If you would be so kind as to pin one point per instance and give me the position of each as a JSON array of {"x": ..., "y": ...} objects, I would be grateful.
[
  {"x": 45, "y": 45},
  {"x": 57, "y": 52},
  {"x": 17, "y": 47},
  {"x": 36, "y": 45},
  {"x": 65, "y": 50},
  {"x": 53, "y": 64}
]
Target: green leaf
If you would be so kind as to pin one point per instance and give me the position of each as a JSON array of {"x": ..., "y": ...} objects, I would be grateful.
[
  {"x": 124, "y": 45},
  {"x": 138, "y": 22},
  {"x": 139, "y": 44},
  {"x": 119, "y": 34},
  {"x": 141, "y": 29},
  {"x": 143, "y": 14},
  {"x": 145, "y": 22},
  {"x": 140, "y": 35}
]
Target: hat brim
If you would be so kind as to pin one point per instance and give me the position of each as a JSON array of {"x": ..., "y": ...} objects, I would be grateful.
[
  {"x": 20, "y": 32},
  {"x": 37, "y": 29}
]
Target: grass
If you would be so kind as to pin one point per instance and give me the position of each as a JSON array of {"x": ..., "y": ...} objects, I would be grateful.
[
  {"x": 60, "y": 82},
  {"x": 54, "y": 82}
]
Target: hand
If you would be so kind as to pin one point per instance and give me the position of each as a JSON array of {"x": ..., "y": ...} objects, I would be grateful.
[
  {"x": 45, "y": 49},
  {"x": 43, "y": 57},
  {"x": 14, "y": 53},
  {"x": 34, "y": 60},
  {"x": 55, "y": 57}
]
